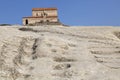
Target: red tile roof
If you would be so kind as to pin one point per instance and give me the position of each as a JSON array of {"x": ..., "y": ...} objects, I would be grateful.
[
  {"x": 41, "y": 17},
  {"x": 41, "y": 9}
]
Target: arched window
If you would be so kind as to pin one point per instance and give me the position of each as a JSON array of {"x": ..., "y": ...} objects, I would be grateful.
[{"x": 26, "y": 21}]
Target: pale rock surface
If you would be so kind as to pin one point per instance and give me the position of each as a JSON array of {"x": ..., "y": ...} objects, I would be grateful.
[{"x": 59, "y": 53}]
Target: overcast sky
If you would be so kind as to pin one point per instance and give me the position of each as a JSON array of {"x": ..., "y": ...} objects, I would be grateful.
[{"x": 71, "y": 12}]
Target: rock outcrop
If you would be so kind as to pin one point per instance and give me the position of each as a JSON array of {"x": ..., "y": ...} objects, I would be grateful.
[{"x": 59, "y": 53}]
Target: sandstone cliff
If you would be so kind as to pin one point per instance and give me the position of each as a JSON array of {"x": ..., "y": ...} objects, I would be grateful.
[{"x": 59, "y": 53}]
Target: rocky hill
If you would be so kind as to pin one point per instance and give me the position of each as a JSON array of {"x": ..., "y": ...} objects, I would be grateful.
[{"x": 59, "y": 53}]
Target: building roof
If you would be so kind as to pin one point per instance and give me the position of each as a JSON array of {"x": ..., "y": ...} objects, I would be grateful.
[
  {"x": 40, "y": 17},
  {"x": 41, "y": 9}
]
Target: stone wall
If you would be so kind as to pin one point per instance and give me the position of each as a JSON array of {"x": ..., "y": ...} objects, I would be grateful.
[
  {"x": 38, "y": 20},
  {"x": 48, "y": 12}
]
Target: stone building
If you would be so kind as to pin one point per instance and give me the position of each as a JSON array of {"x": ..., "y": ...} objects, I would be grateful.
[{"x": 42, "y": 16}]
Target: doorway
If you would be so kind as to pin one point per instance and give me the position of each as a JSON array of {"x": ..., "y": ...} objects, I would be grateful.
[{"x": 26, "y": 22}]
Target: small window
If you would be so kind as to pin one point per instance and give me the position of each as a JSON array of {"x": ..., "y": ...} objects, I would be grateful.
[
  {"x": 47, "y": 21},
  {"x": 36, "y": 14},
  {"x": 41, "y": 21}
]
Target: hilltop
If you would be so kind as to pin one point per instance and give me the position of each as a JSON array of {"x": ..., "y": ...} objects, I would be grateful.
[{"x": 59, "y": 53}]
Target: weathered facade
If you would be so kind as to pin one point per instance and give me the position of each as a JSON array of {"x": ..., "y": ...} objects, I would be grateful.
[{"x": 42, "y": 15}]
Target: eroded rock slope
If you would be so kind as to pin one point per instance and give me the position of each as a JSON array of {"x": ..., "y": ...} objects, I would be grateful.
[{"x": 59, "y": 53}]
